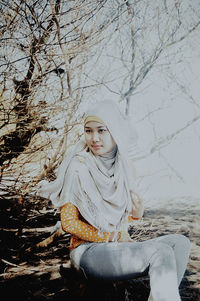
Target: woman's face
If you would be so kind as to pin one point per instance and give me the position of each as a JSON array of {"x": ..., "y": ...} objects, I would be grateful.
[{"x": 98, "y": 138}]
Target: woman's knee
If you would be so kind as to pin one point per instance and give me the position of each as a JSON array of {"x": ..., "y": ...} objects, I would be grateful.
[
  {"x": 182, "y": 241},
  {"x": 163, "y": 259},
  {"x": 176, "y": 240},
  {"x": 164, "y": 249}
]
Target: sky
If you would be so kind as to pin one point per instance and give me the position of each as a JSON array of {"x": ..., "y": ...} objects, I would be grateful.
[
  {"x": 163, "y": 105},
  {"x": 161, "y": 109},
  {"x": 174, "y": 172}
]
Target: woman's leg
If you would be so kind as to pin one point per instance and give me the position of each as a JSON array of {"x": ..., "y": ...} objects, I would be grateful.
[
  {"x": 181, "y": 247},
  {"x": 120, "y": 261}
]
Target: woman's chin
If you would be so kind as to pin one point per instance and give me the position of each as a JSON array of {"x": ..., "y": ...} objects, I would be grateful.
[{"x": 98, "y": 151}]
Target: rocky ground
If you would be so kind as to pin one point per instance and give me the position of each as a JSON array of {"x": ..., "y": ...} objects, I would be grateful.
[{"x": 45, "y": 273}]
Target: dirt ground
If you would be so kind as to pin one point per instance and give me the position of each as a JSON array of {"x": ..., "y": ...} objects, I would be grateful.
[{"x": 45, "y": 273}]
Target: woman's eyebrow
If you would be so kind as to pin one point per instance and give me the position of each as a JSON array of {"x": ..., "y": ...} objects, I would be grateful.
[{"x": 98, "y": 127}]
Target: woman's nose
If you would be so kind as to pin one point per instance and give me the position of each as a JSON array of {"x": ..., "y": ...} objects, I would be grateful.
[{"x": 95, "y": 136}]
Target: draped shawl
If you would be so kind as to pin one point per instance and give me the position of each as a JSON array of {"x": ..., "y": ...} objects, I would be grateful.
[{"x": 99, "y": 186}]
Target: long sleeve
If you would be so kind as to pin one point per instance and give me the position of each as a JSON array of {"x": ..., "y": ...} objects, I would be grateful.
[{"x": 71, "y": 223}]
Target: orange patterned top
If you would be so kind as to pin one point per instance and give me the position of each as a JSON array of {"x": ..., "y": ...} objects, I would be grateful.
[{"x": 72, "y": 222}]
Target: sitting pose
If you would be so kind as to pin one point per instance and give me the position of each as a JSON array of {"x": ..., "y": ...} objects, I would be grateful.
[{"x": 96, "y": 194}]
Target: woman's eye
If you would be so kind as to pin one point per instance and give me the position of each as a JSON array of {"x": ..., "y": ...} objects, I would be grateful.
[
  {"x": 102, "y": 130},
  {"x": 99, "y": 131}
]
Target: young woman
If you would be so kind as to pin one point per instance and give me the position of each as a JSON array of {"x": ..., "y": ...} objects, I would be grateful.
[{"x": 96, "y": 195}]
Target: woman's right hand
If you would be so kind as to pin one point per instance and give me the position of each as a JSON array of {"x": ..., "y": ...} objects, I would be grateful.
[{"x": 124, "y": 237}]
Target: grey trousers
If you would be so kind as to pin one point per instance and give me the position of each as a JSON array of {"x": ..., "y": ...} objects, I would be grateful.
[{"x": 164, "y": 258}]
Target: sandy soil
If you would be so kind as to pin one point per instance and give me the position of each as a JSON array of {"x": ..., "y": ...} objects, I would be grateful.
[{"x": 44, "y": 274}]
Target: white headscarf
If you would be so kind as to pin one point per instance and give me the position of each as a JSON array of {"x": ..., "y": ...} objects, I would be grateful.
[{"x": 99, "y": 186}]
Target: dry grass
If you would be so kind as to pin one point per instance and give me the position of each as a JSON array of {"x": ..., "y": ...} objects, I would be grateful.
[{"x": 45, "y": 274}]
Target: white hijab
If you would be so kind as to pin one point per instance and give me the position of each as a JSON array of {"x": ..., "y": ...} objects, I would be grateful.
[{"x": 99, "y": 186}]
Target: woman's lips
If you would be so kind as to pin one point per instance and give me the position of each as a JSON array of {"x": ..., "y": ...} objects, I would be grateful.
[{"x": 96, "y": 146}]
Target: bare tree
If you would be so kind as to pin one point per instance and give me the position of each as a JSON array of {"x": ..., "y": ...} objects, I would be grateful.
[
  {"x": 151, "y": 30},
  {"x": 45, "y": 46},
  {"x": 57, "y": 53}
]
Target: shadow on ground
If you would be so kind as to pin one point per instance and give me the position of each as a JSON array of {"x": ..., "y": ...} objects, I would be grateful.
[{"x": 45, "y": 274}]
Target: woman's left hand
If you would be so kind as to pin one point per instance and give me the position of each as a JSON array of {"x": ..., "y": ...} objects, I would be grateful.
[{"x": 137, "y": 207}]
